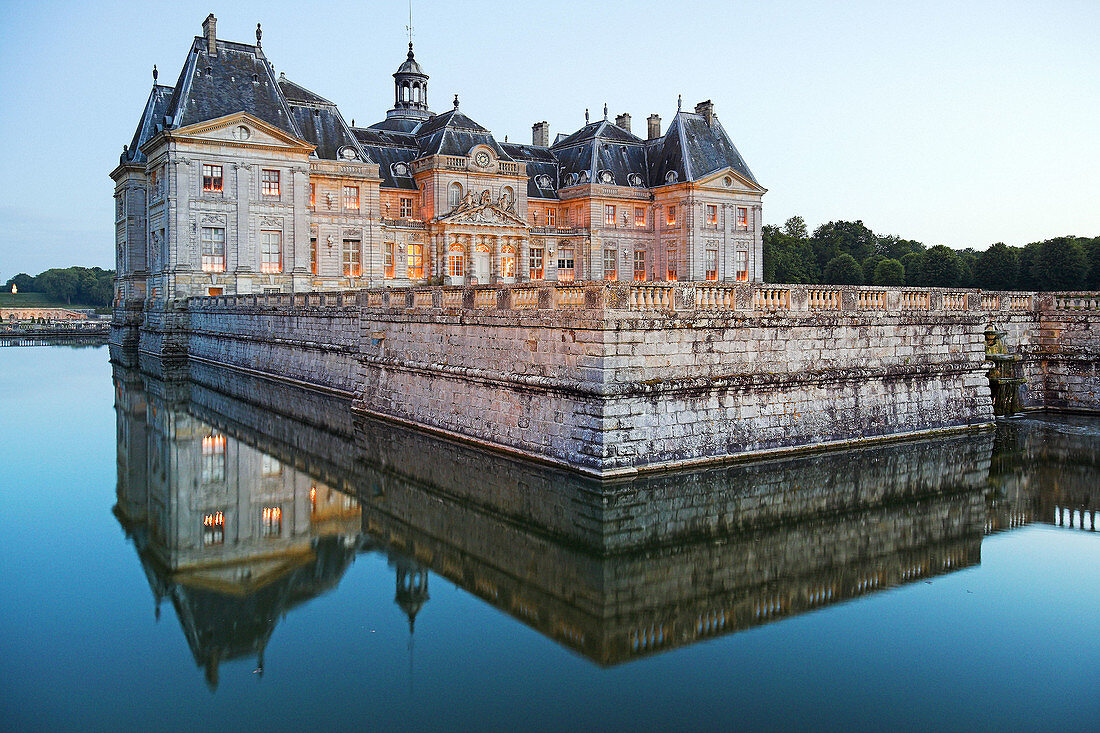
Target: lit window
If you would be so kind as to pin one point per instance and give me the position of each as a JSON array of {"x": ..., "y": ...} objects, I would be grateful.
[
  {"x": 313, "y": 255},
  {"x": 271, "y": 252},
  {"x": 565, "y": 264},
  {"x": 639, "y": 216},
  {"x": 673, "y": 255},
  {"x": 536, "y": 263},
  {"x": 609, "y": 215},
  {"x": 351, "y": 198},
  {"x": 352, "y": 258},
  {"x": 212, "y": 178},
  {"x": 456, "y": 259},
  {"x": 406, "y": 207},
  {"x": 712, "y": 214},
  {"x": 549, "y": 217},
  {"x": 671, "y": 217},
  {"x": 213, "y": 528},
  {"x": 387, "y": 259},
  {"x": 639, "y": 264},
  {"x": 269, "y": 182},
  {"x": 416, "y": 261},
  {"x": 313, "y": 194},
  {"x": 213, "y": 249},
  {"x": 271, "y": 521},
  {"x": 742, "y": 217},
  {"x": 742, "y": 268},
  {"x": 712, "y": 264},
  {"x": 508, "y": 261},
  {"x": 610, "y": 264},
  {"x": 213, "y": 458},
  {"x": 454, "y": 194}
]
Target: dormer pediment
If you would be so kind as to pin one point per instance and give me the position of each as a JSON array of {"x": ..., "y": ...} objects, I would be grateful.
[
  {"x": 240, "y": 129},
  {"x": 727, "y": 179}
]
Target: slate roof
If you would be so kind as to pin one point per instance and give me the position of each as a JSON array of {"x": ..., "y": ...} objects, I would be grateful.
[
  {"x": 692, "y": 149},
  {"x": 601, "y": 152},
  {"x": 153, "y": 113},
  {"x": 453, "y": 133},
  {"x": 542, "y": 169},
  {"x": 319, "y": 122},
  {"x": 387, "y": 149}
]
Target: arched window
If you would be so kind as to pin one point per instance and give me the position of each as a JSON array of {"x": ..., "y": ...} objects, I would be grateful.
[
  {"x": 508, "y": 194},
  {"x": 416, "y": 93},
  {"x": 454, "y": 193},
  {"x": 456, "y": 260},
  {"x": 405, "y": 93},
  {"x": 508, "y": 261}
]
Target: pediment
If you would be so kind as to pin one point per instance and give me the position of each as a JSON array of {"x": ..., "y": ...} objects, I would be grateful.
[
  {"x": 243, "y": 129},
  {"x": 716, "y": 180},
  {"x": 486, "y": 214}
]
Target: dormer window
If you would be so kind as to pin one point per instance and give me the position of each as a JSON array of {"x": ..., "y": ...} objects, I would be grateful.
[
  {"x": 671, "y": 177},
  {"x": 634, "y": 180}
]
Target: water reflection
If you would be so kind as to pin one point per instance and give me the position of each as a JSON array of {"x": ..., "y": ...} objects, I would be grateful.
[{"x": 240, "y": 512}]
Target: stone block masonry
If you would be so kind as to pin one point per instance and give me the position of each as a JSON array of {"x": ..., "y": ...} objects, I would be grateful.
[{"x": 611, "y": 378}]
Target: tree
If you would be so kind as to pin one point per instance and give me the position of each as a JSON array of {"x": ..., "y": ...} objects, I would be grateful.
[
  {"x": 23, "y": 281},
  {"x": 888, "y": 272},
  {"x": 940, "y": 267},
  {"x": 912, "y": 263},
  {"x": 1060, "y": 265},
  {"x": 843, "y": 270},
  {"x": 1093, "y": 250},
  {"x": 843, "y": 237},
  {"x": 868, "y": 266},
  {"x": 996, "y": 268},
  {"x": 795, "y": 227}
]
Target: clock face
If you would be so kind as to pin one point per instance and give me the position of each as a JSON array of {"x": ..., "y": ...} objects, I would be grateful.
[{"x": 482, "y": 159}]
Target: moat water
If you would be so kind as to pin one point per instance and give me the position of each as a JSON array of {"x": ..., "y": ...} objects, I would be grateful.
[{"x": 176, "y": 558}]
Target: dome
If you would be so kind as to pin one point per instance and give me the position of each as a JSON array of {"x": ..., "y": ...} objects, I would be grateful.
[{"x": 410, "y": 66}]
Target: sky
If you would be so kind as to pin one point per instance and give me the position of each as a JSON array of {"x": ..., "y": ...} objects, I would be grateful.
[{"x": 957, "y": 123}]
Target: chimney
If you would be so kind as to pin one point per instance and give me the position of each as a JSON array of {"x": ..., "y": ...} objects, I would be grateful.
[
  {"x": 654, "y": 126},
  {"x": 540, "y": 134},
  {"x": 706, "y": 109},
  {"x": 623, "y": 121},
  {"x": 208, "y": 27}
]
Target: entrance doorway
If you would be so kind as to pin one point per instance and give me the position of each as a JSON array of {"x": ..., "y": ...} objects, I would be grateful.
[{"x": 482, "y": 265}]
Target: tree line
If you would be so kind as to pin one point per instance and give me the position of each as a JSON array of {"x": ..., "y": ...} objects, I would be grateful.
[
  {"x": 84, "y": 285},
  {"x": 849, "y": 253}
]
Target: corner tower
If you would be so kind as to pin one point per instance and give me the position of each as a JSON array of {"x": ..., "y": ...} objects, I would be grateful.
[{"x": 410, "y": 91}]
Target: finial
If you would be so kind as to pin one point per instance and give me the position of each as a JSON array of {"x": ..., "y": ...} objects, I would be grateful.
[
  {"x": 456, "y": 101},
  {"x": 605, "y": 111},
  {"x": 586, "y": 115},
  {"x": 155, "y": 73},
  {"x": 409, "y": 28},
  {"x": 353, "y": 122},
  {"x": 679, "y": 101},
  {"x": 259, "y": 34}
]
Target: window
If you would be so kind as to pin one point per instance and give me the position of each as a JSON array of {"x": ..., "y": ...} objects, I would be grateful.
[
  {"x": 610, "y": 264},
  {"x": 352, "y": 258},
  {"x": 214, "y": 291},
  {"x": 213, "y": 459},
  {"x": 269, "y": 181},
  {"x": 387, "y": 259},
  {"x": 639, "y": 264},
  {"x": 213, "y": 249},
  {"x": 271, "y": 521},
  {"x": 639, "y": 216},
  {"x": 565, "y": 264},
  {"x": 416, "y": 261},
  {"x": 580, "y": 217},
  {"x": 507, "y": 261},
  {"x": 213, "y": 528},
  {"x": 742, "y": 268},
  {"x": 313, "y": 255},
  {"x": 609, "y": 215},
  {"x": 270, "y": 466},
  {"x": 671, "y": 217},
  {"x": 712, "y": 264},
  {"x": 742, "y": 217},
  {"x": 406, "y": 207},
  {"x": 313, "y": 195},
  {"x": 456, "y": 259},
  {"x": 351, "y": 198},
  {"x": 712, "y": 214},
  {"x": 549, "y": 217},
  {"x": 271, "y": 252},
  {"x": 672, "y": 256},
  {"x": 454, "y": 194},
  {"x": 212, "y": 178},
  {"x": 536, "y": 263}
]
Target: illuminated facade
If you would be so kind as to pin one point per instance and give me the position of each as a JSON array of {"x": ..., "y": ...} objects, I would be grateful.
[{"x": 241, "y": 181}]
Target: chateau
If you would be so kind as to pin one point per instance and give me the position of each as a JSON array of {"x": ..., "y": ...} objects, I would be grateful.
[{"x": 238, "y": 180}]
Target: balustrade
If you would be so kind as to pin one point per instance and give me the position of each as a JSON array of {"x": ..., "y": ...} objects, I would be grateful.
[
  {"x": 650, "y": 297},
  {"x": 990, "y": 302},
  {"x": 772, "y": 299},
  {"x": 911, "y": 301},
  {"x": 1019, "y": 302},
  {"x": 523, "y": 298},
  {"x": 1077, "y": 302},
  {"x": 824, "y": 299},
  {"x": 715, "y": 298},
  {"x": 871, "y": 300},
  {"x": 954, "y": 301},
  {"x": 485, "y": 298},
  {"x": 570, "y": 297}
]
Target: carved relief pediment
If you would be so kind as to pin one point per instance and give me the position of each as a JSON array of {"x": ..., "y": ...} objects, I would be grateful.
[{"x": 485, "y": 212}]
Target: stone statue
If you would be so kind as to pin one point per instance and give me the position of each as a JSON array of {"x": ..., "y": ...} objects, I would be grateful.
[{"x": 486, "y": 197}]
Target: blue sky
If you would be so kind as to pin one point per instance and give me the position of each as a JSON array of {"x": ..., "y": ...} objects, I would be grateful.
[{"x": 951, "y": 123}]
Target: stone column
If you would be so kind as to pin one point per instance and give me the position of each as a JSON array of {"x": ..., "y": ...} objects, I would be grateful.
[
  {"x": 523, "y": 264},
  {"x": 496, "y": 273},
  {"x": 431, "y": 267},
  {"x": 299, "y": 252}
]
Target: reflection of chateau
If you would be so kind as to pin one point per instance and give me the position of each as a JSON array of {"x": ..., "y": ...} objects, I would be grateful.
[
  {"x": 232, "y": 536},
  {"x": 623, "y": 569}
]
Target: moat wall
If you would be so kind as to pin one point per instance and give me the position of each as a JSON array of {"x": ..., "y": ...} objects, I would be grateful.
[{"x": 609, "y": 378}]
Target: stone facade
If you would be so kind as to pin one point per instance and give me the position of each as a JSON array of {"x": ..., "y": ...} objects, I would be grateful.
[{"x": 237, "y": 181}]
